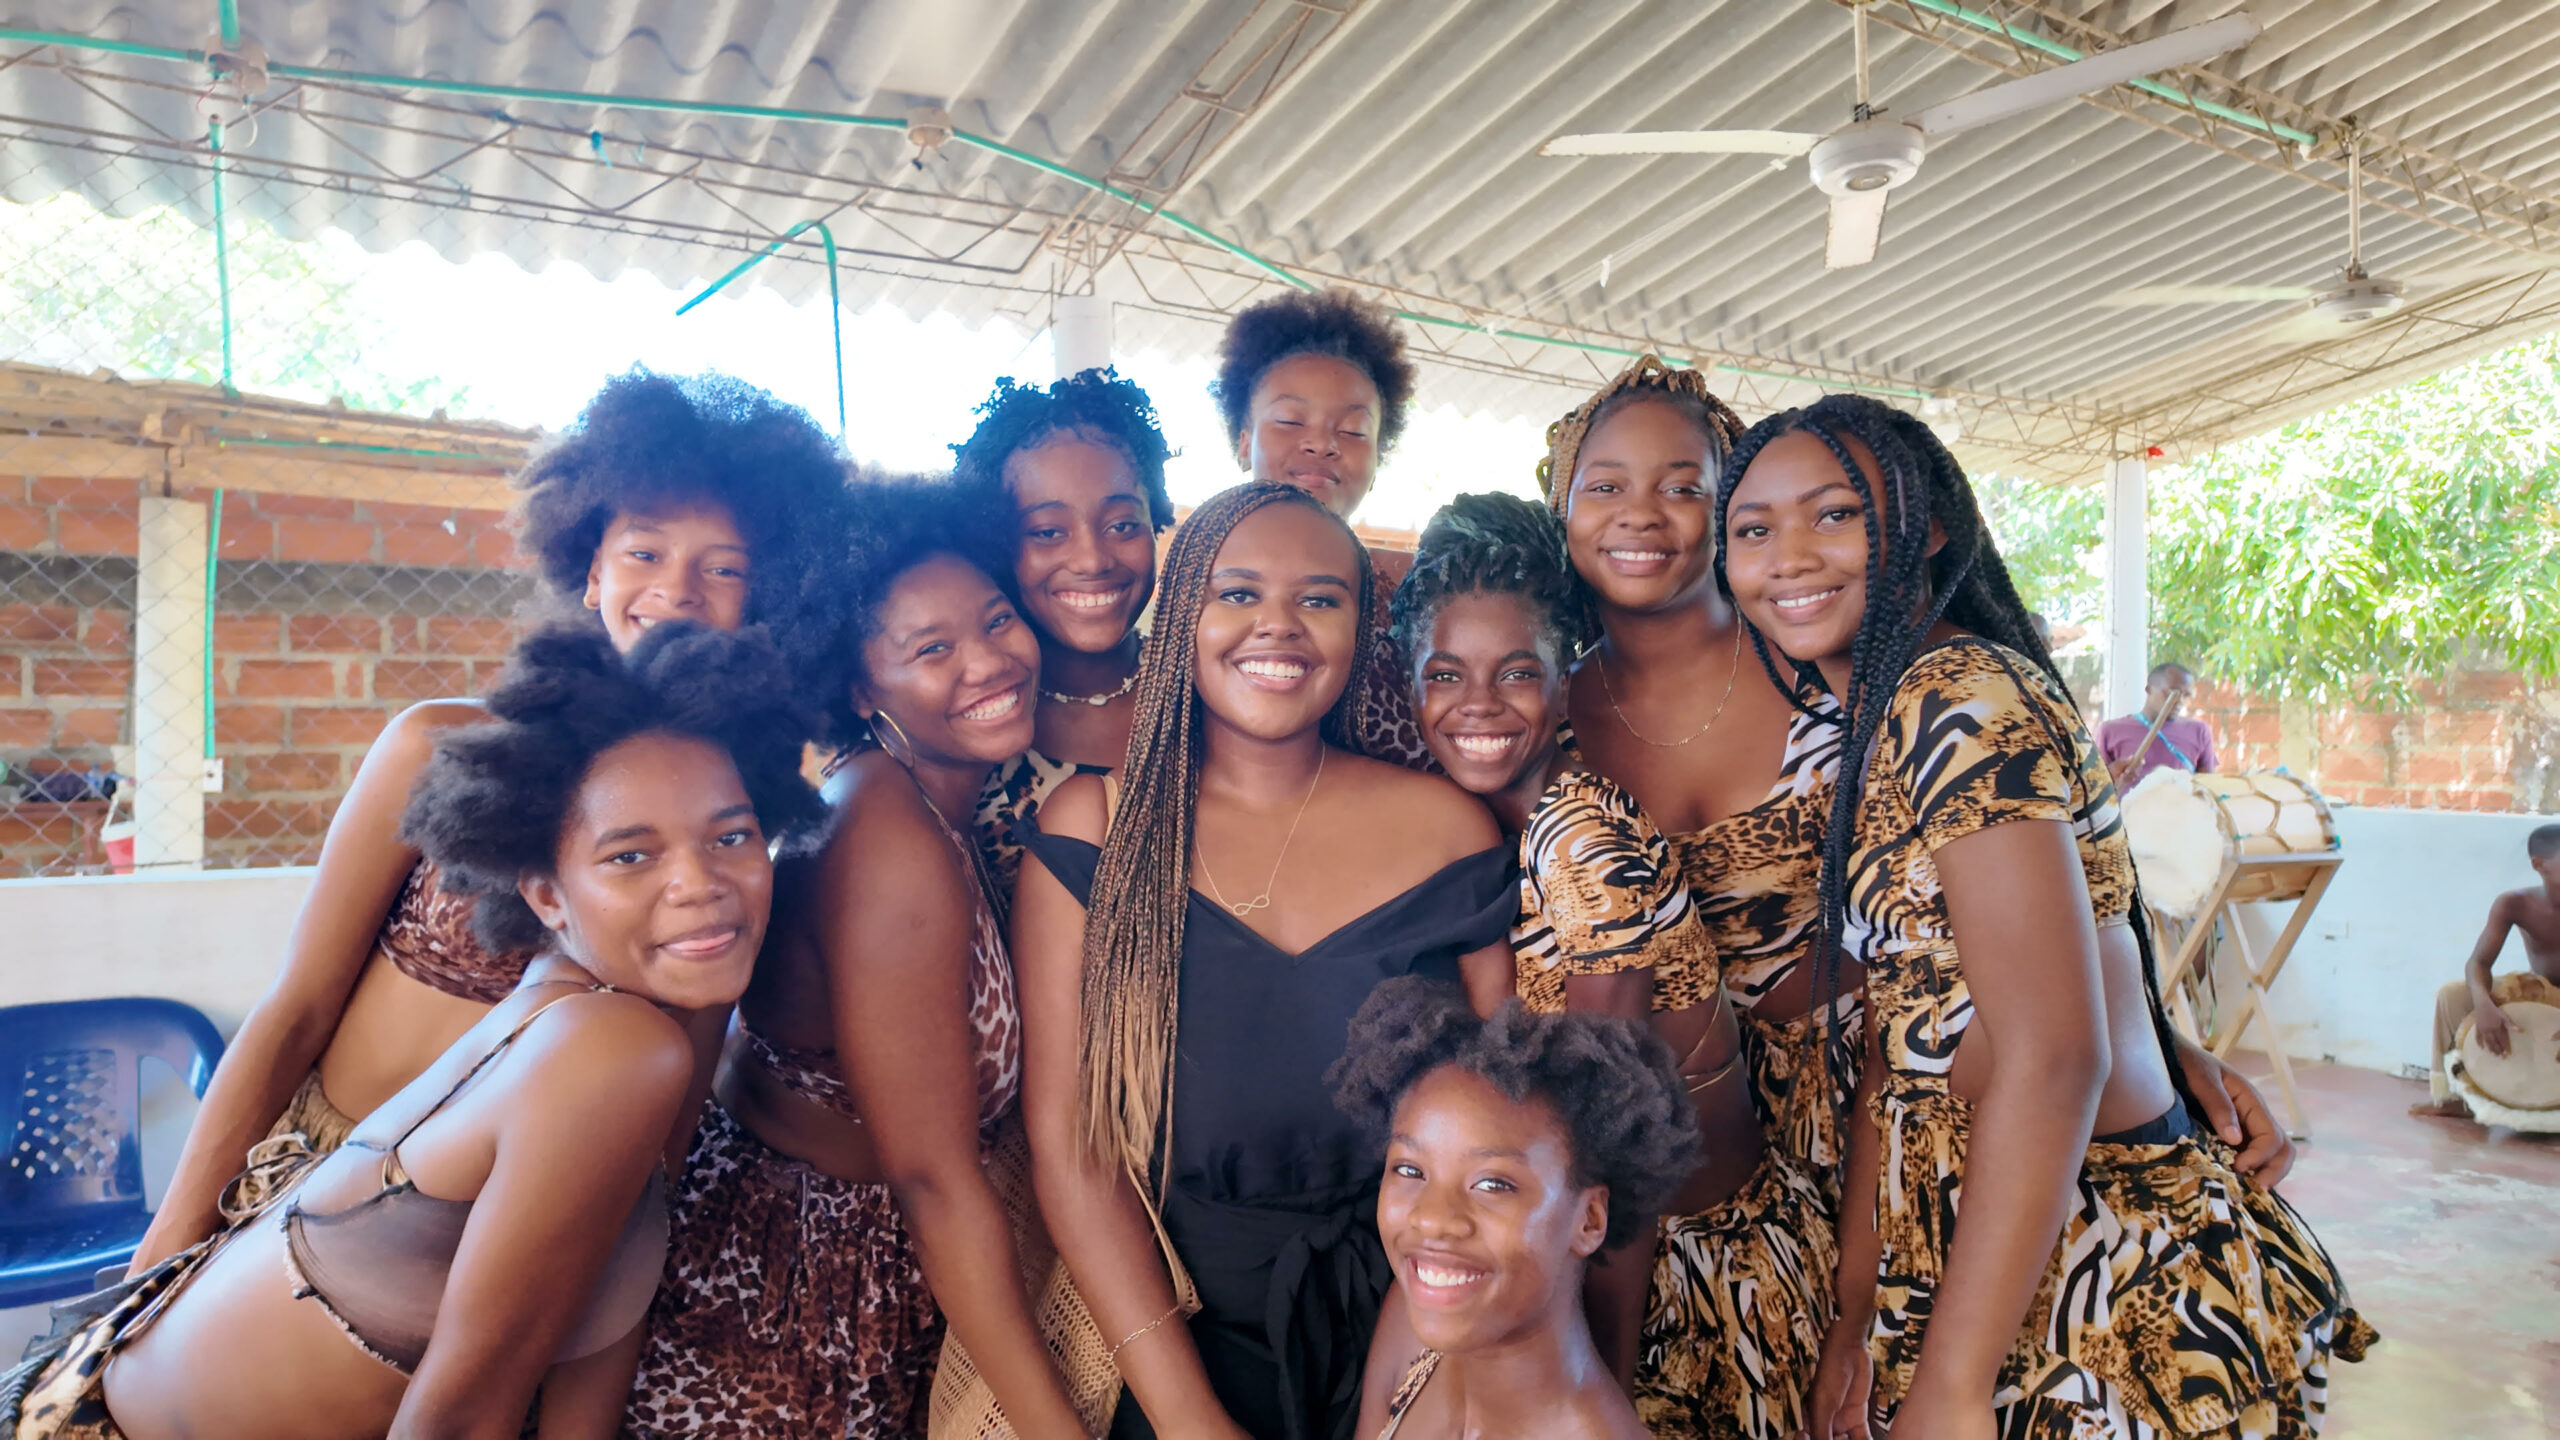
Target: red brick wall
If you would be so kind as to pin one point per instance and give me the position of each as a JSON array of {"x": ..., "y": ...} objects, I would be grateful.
[
  {"x": 313, "y": 653},
  {"x": 2479, "y": 741}
]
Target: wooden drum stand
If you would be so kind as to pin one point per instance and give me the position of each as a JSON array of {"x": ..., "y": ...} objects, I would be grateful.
[{"x": 2277, "y": 842}]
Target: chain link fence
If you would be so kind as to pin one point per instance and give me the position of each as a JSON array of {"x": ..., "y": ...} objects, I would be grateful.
[{"x": 230, "y": 551}]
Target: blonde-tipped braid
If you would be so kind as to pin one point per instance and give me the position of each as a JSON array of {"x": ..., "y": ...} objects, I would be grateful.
[
  {"x": 1650, "y": 373},
  {"x": 1142, "y": 886}
]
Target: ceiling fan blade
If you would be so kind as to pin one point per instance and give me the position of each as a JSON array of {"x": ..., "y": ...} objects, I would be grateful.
[
  {"x": 2083, "y": 77},
  {"x": 1684, "y": 142},
  {"x": 2204, "y": 295},
  {"x": 2312, "y": 328},
  {"x": 2514, "y": 266},
  {"x": 1857, "y": 225}
]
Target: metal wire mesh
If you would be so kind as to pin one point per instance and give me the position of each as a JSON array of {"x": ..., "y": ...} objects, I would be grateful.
[{"x": 230, "y": 549}]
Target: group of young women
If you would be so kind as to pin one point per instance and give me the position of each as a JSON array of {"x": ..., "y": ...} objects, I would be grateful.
[{"x": 1566, "y": 981}]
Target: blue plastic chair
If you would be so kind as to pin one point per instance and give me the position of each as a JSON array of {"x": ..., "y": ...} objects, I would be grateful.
[{"x": 71, "y": 1119}]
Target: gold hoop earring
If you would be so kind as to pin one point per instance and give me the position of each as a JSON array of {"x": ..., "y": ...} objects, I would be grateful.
[{"x": 880, "y": 718}]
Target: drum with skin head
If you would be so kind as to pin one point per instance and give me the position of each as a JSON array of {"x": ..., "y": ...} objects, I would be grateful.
[
  {"x": 2521, "y": 1088},
  {"x": 2186, "y": 829}
]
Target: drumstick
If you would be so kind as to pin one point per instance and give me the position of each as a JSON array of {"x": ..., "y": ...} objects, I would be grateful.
[{"x": 2128, "y": 762}]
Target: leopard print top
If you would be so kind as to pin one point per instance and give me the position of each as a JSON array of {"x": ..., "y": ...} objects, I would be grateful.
[
  {"x": 1970, "y": 743},
  {"x": 1599, "y": 894},
  {"x": 1383, "y": 721},
  {"x": 427, "y": 937}
]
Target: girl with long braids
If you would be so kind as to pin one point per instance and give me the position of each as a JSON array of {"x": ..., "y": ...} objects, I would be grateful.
[
  {"x": 836, "y": 1208},
  {"x": 498, "y": 1223},
  {"x": 1079, "y": 469},
  {"x": 1193, "y": 943},
  {"x": 1740, "y": 782},
  {"x": 2111, "y": 1274},
  {"x": 1722, "y": 1307},
  {"x": 1314, "y": 386},
  {"x": 699, "y": 499}
]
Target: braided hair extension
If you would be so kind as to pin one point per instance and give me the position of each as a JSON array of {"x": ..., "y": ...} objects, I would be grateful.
[
  {"x": 1492, "y": 544},
  {"x": 1313, "y": 322},
  {"x": 1650, "y": 378},
  {"x": 1092, "y": 405},
  {"x": 1908, "y": 591},
  {"x": 1142, "y": 884}
]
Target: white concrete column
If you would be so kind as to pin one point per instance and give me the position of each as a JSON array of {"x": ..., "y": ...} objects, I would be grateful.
[
  {"x": 168, "y": 686},
  {"x": 1081, "y": 334},
  {"x": 2128, "y": 593}
]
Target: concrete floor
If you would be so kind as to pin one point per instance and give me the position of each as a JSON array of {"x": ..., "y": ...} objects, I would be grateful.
[{"x": 2448, "y": 1235}]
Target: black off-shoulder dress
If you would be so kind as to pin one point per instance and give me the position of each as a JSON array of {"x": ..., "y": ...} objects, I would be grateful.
[{"x": 1272, "y": 1195}]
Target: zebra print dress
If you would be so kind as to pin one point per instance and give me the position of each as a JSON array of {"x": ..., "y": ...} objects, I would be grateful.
[
  {"x": 2182, "y": 1299},
  {"x": 1741, "y": 1293}
]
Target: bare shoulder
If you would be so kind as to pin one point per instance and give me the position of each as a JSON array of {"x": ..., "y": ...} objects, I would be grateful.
[
  {"x": 884, "y": 829},
  {"x": 1429, "y": 812},
  {"x": 609, "y": 1046},
  {"x": 409, "y": 740},
  {"x": 1076, "y": 810}
]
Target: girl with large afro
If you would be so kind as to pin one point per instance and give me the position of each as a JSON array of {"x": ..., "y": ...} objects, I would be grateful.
[
  {"x": 496, "y": 1225},
  {"x": 846, "y": 1245},
  {"x": 696, "y": 499}
]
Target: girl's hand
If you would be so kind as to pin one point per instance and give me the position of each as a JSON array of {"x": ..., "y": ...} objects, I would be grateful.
[
  {"x": 1924, "y": 1417},
  {"x": 1843, "y": 1386}
]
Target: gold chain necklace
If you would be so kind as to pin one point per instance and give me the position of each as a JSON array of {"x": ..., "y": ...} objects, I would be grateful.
[
  {"x": 1263, "y": 900},
  {"x": 1701, "y": 730}
]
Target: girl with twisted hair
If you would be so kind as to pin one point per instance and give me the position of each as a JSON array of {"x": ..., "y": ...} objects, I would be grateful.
[
  {"x": 696, "y": 499},
  {"x": 1715, "y": 1319},
  {"x": 1193, "y": 941},
  {"x": 1974, "y": 861},
  {"x": 1075, "y": 475}
]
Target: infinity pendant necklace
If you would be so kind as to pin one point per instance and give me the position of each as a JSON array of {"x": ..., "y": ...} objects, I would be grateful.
[{"x": 1263, "y": 900}]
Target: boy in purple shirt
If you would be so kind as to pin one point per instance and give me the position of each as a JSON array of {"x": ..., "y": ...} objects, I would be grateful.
[{"x": 2184, "y": 743}]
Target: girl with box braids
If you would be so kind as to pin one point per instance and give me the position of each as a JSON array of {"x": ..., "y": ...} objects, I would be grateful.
[
  {"x": 1975, "y": 862},
  {"x": 1193, "y": 941}
]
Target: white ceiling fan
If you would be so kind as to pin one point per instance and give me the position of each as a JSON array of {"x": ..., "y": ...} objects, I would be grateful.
[
  {"x": 1860, "y": 165},
  {"x": 2356, "y": 298}
]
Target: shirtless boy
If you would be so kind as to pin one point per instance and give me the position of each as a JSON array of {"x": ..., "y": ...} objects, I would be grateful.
[{"x": 2534, "y": 914}]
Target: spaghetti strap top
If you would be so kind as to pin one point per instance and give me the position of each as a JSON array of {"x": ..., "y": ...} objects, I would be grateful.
[{"x": 378, "y": 1267}]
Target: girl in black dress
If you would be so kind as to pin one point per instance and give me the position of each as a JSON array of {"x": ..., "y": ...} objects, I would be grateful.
[{"x": 1249, "y": 881}]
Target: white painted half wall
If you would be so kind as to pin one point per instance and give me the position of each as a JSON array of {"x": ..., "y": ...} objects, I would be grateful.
[
  {"x": 209, "y": 938},
  {"x": 2396, "y": 923},
  {"x": 2360, "y": 987}
]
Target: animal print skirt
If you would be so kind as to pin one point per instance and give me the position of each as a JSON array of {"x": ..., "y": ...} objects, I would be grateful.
[
  {"x": 2182, "y": 1300},
  {"x": 792, "y": 1305},
  {"x": 1741, "y": 1300},
  {"x": 1801, "y": 1101}
]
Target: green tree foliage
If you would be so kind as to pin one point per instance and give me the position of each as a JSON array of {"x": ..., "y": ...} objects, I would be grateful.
[
  {"x": 84, "y": 291},
  {"x": 2377, "y": 544},
  {"x": 2351, "y": 554},
  {"x": 2049, "y": 536}
]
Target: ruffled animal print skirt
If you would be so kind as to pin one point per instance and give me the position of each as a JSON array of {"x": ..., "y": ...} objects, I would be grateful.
[
  {"x": 1741, "y": 1300},
  {"x": 2181, "y": 1301},
  {"x": 792, "y": 1304}
]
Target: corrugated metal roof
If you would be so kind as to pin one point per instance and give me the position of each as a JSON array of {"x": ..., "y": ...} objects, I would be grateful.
[{"x": 1394, "y": 146}]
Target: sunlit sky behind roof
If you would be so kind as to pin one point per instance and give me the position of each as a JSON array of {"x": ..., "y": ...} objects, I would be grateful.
[{"x": 532, "y": 348}]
